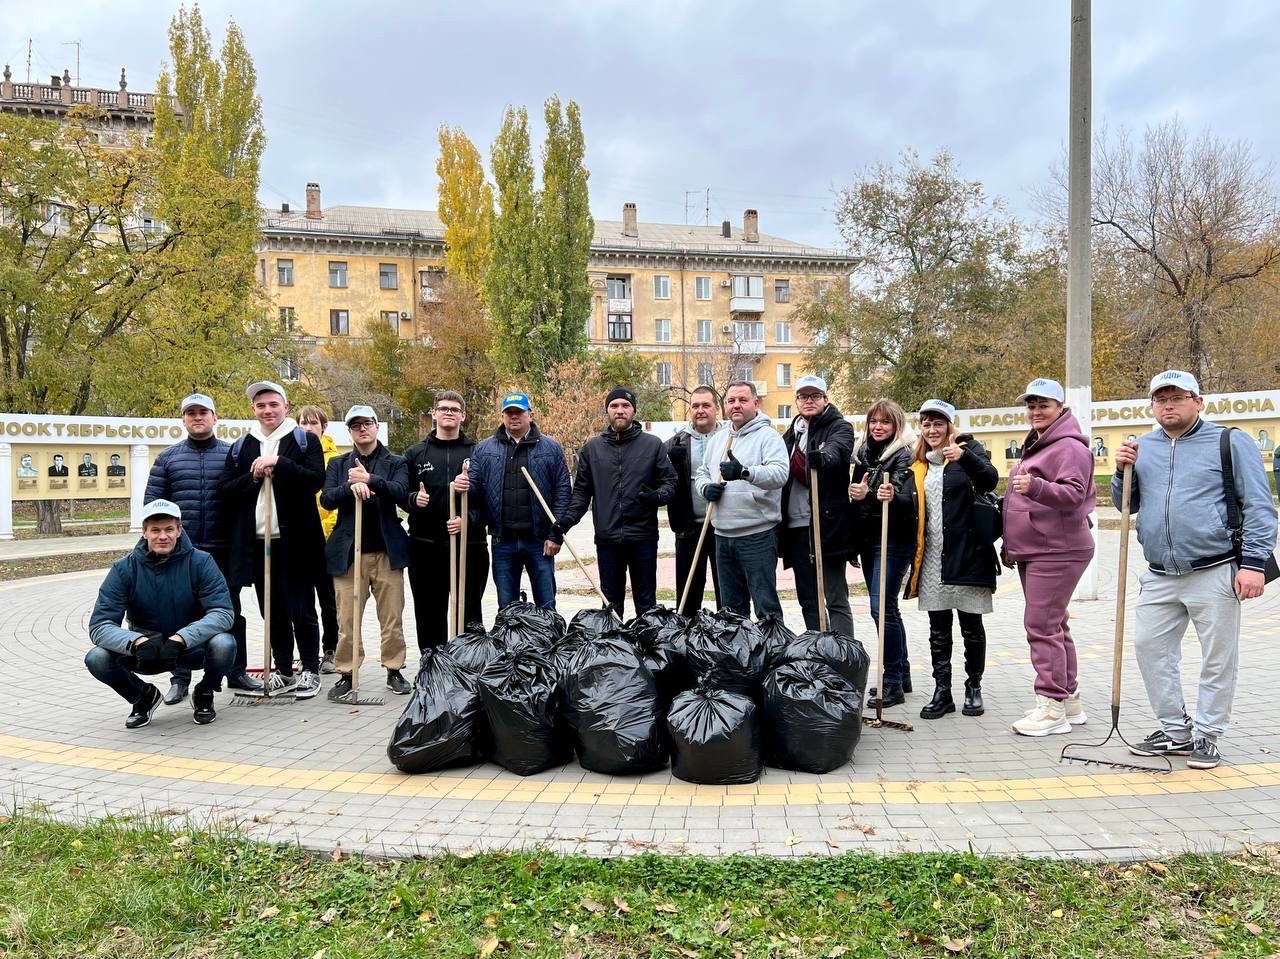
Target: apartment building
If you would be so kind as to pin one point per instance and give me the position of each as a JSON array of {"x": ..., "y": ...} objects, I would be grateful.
[{"x": 708, "y": 304}]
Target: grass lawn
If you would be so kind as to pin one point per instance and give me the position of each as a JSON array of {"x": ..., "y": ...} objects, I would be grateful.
[{"x": 122, "y": 888}]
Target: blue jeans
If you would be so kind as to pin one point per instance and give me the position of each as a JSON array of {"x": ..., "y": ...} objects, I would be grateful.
[
  {"x": 896, "y": 664},
  {"x": 510, "y": 558},
  {"x": 748, "y": 571},
  {"x": 216, "y": 658},
  {"x": 641, "y": 560}
]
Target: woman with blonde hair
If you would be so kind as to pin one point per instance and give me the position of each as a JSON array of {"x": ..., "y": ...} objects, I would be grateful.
[
  {"x": 953, "y": 568},
  {"x": 882, "y": 474}
]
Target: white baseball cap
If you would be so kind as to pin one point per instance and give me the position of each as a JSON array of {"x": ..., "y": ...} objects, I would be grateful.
[
  {"x": 811, "y": 382},
  {"x": 198, "y": 399},
  {"x": 361, "y": 411},
  {"x": 1045, "y": 389},
  {"x": 265, "y": 386},
  {"x": 1178, "y": 378},
  {"x": 941, "y": 407},
  {"x": 161, "y": 507}
]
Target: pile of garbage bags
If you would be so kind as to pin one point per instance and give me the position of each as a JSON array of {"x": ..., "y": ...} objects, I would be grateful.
[{"x": 717, "y": 695}]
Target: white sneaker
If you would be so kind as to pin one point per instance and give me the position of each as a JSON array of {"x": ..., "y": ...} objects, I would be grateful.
[
  {"x": 1075, "y": 710},
  {"x": 1049, "y": 718},
  {"x": 308, "y": 685},
  {"x": 282, "y": 685}
]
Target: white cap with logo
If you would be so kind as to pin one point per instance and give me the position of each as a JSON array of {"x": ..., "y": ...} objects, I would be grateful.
[
  {"x": 265, "y": 386},
  {"x": 939, "y": 408},
  {"x": 1044, "y": 389},
  {"x": 161, "y": 507},
  {"x": 198, "y": 399},
  {"x": 811, "y": 382},
  {"x": 1176, "y": 378}
]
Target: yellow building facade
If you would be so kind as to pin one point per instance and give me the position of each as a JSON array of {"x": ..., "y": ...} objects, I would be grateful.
[{"x": 708, "y": 305}]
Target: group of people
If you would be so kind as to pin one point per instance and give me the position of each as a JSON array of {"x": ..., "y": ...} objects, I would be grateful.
[{"x": 915, "y": 511}]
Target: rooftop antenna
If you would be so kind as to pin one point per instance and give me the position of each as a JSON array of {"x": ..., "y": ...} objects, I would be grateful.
[
  {"x": 28, "y": 59},
  {"x": 76, "y": 44},
  {"x": 706, "y": 210}
]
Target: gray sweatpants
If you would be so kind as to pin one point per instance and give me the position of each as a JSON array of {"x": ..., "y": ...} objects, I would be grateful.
[{"x": 1207, "y": 598}]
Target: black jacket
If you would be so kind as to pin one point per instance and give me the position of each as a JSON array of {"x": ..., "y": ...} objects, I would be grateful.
[
  {"x": 893, "y": 464},
  {"x": 614, "y": 470},
  {"x": 435, "y": 463},
  {"x": 188, "y": 474},
  {"x": 966, "y": 561},
  {"x": 680, "y": 507},
  {"x": 828, "y": 450},
  {"x": 388, "y": 475},
  {"x": 298, "y": 477}
]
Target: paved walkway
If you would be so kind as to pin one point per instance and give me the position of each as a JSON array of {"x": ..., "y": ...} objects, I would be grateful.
[{"x": 316, "y": 773}]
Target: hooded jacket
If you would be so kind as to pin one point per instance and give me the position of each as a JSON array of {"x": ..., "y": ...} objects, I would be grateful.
[
  {"x": 966, "y": 560},
  {"x": 188, "y": 473},
  {"x": 1182, "y": 513},
  {"x": 892, "y": 465},
  {"x": 753, "y": 504},
  {"x": 1052, "y": 517},
  {"x": 684, "y": 513},
  {"x": 828, "y": 449},
  {"x": 614, "y": 471},
  {"x": 182, "y": 593}
]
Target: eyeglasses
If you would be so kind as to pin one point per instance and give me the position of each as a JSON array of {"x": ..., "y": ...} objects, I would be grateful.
[
  {"x": 1171, "y": 400},
  {"x": 362, "y": 425},
  {"x": 452, "y": 410},
  {"x": 809, "y": 397}
]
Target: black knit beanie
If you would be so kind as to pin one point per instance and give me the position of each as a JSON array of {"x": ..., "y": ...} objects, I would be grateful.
[{"x": 620, "y": 393}]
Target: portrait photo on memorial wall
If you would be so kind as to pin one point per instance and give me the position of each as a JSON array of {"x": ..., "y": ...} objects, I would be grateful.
[
  {"x": 1013, "y": 451},
  {"x": 26, "y": 467},
  {"x": 87, "y": 466},
  {"x": 1099, "y": 447},
  {"x": 59, "y": 467},
  {"x": 115, "y": 467}
]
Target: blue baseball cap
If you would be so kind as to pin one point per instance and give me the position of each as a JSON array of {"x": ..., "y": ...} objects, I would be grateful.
[{"x": 515, "y": 401}]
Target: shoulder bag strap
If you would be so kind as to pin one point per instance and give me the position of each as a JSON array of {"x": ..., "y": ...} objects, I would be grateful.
[{"x": 1234, "y": 521}]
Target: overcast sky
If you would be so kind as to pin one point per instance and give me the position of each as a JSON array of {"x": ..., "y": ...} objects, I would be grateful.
[{"x": 770, "y": 105}]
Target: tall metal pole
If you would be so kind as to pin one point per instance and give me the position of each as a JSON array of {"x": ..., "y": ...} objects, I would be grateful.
[{"x": 1079, "y": 285}]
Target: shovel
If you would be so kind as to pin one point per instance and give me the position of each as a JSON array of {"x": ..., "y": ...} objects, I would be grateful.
[
  {"x": 702, "y": 538},
  {"x": 243, "y": 697},
  {"x": 884, "y": 551},
  {"x": 358, "y": 594},
  {"x": 1117, "y": 656}
]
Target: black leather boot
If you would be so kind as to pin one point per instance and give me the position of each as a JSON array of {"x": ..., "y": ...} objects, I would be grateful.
[
  {"x": 940, "y": 655},
  {"x": 940, "y": 705},
  {"x": 972, "y": 699},
  {"x": 892, "y": 696}
]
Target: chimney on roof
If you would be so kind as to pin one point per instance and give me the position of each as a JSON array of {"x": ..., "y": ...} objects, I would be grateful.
[
  {"x": 629, "y": 225},
  {"x": 751, "y": 226},
  {"x": 55, "y": 81},
  {"x": 284, "y": 208},
  {"x": 726, "y": 230},
  {"x": 313, "y": 201}
]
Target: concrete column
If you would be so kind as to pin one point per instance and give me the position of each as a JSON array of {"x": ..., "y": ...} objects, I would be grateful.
[
  {"x": 139, "y": 468},
  {"x": 6, "y": 491}
]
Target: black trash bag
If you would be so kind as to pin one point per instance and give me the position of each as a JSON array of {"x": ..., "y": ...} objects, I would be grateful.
[
  {"x": 812, "y": 717},
  {"x": 724, "y": 650},
  {"x": 474, "y": 649},
  {"x": 615, "y": 708},
  {"x": 777, "y": 634},
  {"x": 715, "y": 737},
  {"x": 522, "y": 625},
  {"x": 591, "y": 624},
  {"x": 656, "y": 634},
  {"x": 443, "y": 723},
  {"x": 522, "y": 700},
  {"x": 846, "y": 656}
]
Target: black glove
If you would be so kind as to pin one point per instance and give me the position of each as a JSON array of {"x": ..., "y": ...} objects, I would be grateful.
[
  {"x": 648, "y": 497},
  {"x": 159, "y": 654},
  {"x": 731, "y": 469},
  {"x": 678, "y": 454},
  {"x": 713, "y": 492}
]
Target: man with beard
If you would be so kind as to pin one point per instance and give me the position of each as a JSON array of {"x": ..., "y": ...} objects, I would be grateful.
[{"x": 624, "y": 474}]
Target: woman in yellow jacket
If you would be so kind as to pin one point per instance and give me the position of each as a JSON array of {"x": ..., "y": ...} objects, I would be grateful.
[{"x": 314, "y": 421}]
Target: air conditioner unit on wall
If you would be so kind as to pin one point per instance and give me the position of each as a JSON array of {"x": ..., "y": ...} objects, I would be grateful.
[
  {"x": 403, "y": 315},
  {"x": 726, "y": 283},
  {"x": 726, "y": 328}
]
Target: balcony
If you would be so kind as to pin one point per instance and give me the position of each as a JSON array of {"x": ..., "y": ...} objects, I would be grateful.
[
  {"x": 746, "y": 304},
  {"x": 762, "y": 387},
  {"x": 753, "y": 348},
  {"x": 619, "y": 305}
]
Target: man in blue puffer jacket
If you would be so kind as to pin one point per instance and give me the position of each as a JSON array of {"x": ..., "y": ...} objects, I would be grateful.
[
  {"x": 522, "y": 536},
  {"x": 178, "y": 610},
  {"x": 188, "y": 473}
]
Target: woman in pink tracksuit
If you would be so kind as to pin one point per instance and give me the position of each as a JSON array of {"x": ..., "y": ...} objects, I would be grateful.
[{"x": 1047, "y": 536}]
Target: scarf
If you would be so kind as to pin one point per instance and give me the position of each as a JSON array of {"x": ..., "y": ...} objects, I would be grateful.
[{"x": 270, "y": 446}]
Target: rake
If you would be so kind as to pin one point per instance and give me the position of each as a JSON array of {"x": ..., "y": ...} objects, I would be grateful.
[
  {"x": 264, "y": 698},
  {"x": 880, "y": 721},
  {"x": 702, "y": 538},
  {"x": 358, "y": 595},
  {"x": 1117, "y": 657},
  {"x": 453, "y": 564}
]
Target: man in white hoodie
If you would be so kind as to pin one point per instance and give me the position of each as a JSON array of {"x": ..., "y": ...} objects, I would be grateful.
[
  {"x": 278, "y": 447},
  {"x": 745, "y": 482}
]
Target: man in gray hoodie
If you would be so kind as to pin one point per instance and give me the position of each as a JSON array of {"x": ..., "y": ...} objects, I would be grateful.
[{"x": 745, "y": 482}]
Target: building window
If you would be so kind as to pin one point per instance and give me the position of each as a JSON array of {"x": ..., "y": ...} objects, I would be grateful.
[
  {"x": 619, "y": 327},
  {"x": 284, "y": 272},
  {"x": 704, "y": 331},
  {"x": 702, "y": 287},
  {"x": 748, "y": 286},
  {"x": 820, "y": 287},
  {"x": 784, "y": 374},
  {"x": 704, "y": 375},
  {"x": 662, "y": 287},
  {"x": 288, "y": 316},
  {"x": 745, "y": 331},
  {"x": 662, "y": 371},
  {"x": 782, "y": 291},
  {"x": 618, "y": 287},
  {"x": 662, "y": 331},
  {"x": 392, "y": 319},
  {"x": 288, "y": 369},
  {"x": 388, "y": 276},
  {"x": 741, "y": 373},
  {"x": 339, "y": 323},
  {"x": 782, "y": 331},
  {"x": 338, "y": 274},
  {"x": 784, "y": 411}
]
